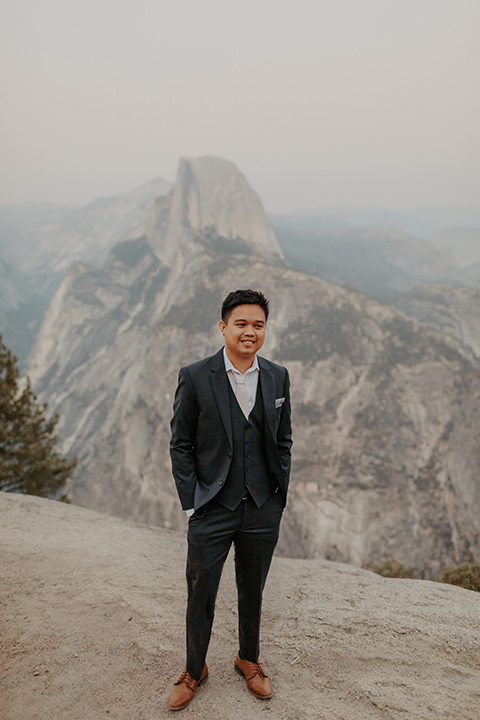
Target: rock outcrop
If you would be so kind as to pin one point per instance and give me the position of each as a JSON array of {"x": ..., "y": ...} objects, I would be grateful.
[
  {"x": 211, "y": 199},
  {"x": 93, "y": 626}
]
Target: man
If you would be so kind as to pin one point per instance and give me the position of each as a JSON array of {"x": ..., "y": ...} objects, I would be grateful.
[{"x": 230, "y": 450}]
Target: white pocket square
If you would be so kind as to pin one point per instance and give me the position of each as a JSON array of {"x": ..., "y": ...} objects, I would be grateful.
[{"x": 279, "y": 402}]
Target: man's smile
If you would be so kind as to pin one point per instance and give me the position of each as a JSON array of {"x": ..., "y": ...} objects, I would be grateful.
[{"x": 244, "y": 334}]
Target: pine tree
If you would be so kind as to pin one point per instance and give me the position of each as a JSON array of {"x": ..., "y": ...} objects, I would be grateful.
[{"x": 29, "y": 462}]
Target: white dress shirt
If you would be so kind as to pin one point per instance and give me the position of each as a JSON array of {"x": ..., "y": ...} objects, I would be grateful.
[{"x": 250, "y": 375}]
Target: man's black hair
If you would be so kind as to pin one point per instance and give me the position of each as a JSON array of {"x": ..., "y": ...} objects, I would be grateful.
[{"x": 243, "y": 297}]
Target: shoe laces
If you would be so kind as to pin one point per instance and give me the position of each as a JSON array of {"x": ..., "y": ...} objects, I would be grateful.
[
  {"x": 258, "y": 670},
  {"x": 186, "y": 678}
]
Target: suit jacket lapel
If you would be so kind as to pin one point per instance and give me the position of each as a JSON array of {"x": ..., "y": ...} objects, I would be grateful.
[
  {"x": 268, "y": 394},
  {"x": 219, "y": 382}
]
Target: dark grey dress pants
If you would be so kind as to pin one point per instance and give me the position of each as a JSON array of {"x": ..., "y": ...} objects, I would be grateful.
[{"x": 211, "y": 532}]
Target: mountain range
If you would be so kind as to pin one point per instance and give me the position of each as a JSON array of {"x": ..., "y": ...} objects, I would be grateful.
[
  {"x": 379, "y": 260},
  {"x": 381, "y": 253},
  {"x": 385, "y": 404},
  {"x": 39, "y": 242}
]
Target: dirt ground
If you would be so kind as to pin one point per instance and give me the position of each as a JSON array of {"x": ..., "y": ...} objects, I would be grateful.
[{"x": 92, "y": 626}]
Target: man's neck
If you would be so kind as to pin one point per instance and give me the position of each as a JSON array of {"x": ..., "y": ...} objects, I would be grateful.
[{"x": 240, "y": 364}]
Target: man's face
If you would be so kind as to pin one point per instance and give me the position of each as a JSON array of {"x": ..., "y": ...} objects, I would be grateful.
[{"x": 244, "y": 332}]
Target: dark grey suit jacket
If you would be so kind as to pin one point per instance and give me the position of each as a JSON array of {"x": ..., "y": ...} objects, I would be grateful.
[{"x": 201, "y": 446}]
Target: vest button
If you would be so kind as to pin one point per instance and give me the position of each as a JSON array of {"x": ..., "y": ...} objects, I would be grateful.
[{"x": 229, "y": 456}]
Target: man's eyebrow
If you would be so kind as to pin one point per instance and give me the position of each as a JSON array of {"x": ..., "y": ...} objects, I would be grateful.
[{"x": 255, "y": 321}]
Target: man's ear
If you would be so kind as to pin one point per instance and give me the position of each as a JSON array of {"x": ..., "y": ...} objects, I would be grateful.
[{"x": 222, "y": 327}]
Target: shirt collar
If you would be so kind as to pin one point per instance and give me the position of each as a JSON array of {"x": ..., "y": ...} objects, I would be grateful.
[{"x": 229, "y": 365}]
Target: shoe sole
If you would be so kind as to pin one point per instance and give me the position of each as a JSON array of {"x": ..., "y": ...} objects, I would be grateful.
[
  {"x": 200, "y": 683},
  {"x": 240, "y": 672}
]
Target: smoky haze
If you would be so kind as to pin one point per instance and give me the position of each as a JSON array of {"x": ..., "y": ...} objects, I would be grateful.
[{"x": 319, "y": 104}]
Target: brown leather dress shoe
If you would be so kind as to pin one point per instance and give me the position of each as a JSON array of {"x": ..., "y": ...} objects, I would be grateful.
[
  {"x": 257, "y": 680},
  {"x": 184, "y": 689}
]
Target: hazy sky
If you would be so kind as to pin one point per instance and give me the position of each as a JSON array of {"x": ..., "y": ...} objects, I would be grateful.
[{"x": 318, "y": 102}]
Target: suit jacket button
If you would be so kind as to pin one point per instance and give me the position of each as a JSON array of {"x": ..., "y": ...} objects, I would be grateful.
[
  {"x": 229, "y": 456},
  {"x": 220, "y": 482}
]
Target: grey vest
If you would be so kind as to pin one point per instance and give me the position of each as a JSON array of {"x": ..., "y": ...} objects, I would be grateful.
[{"x": 248, "y": 472}]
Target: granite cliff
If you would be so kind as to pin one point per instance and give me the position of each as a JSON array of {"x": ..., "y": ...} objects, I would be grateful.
[
  {"x": 385, "y": 410},
  {"x": 210, "y": 199}
]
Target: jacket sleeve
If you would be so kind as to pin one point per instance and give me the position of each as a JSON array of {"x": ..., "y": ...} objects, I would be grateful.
[
  {"x": 182, "y": 442},
  {"x": 284, "y": 432}
]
